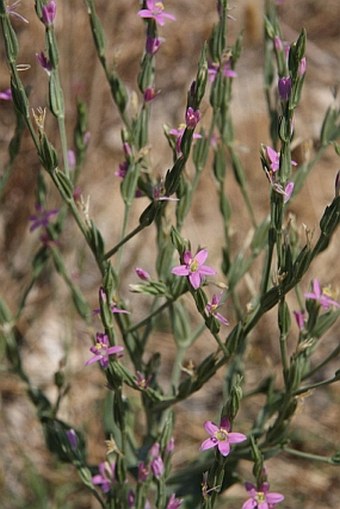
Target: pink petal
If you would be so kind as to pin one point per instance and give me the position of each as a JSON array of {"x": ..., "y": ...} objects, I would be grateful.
[
  {"x": 114, "y": 349},
  {"x": 144, "y": 13},
  {"x": 195, "y": 279},
  {"x": 201, "y": 256},
  {"x": 274, "y": 498},
  {"x": 206, "y": 270},
  {"x": 169, "y": 16},
  {"x": 210, "y": 427},
  {"x": 317, "y": 288},
  {"x": 96, "y": 358},
  {"x": 251, "y": 489},
  {"x": 180, "y": 270},
  {"x": 224, "y": 447},
  {"x": 249, "y": 504},
  {"x": 187, "y": 257},
  {"x": 235, "y": 438},
  {"x": 208, "y": 444},
  {"x": 221, "y": 318}
]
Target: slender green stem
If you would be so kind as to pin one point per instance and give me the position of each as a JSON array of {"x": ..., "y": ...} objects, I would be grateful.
[
  {"x": 150, "y": 316},
  {"x": 129, "y": 236},
  {"x": 309, "y": 456},
  {"x": 284, "y": 357},
  {"x": 307, "y": 388},
  {"x": 124, "y": 228},
  {"x": 331, "y": 356}
]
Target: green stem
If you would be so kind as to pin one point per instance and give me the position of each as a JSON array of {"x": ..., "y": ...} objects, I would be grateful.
[
  {"x": 150, "y": 316},
  {"x": 331, "y": 356},
  {"x": 309, "y": 456},
  {"x": 129, "y": 236},
  {"x": 307, "y": 388}
]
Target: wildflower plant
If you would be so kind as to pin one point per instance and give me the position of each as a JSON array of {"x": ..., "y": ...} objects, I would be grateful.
[{"x": 138, "y": 469}]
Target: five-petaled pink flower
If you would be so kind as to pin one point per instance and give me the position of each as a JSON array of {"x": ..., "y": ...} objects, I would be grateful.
[
  {"x": 155, "y": 10},
  {"x": 261, "y": 498},
  {"x": 194, "y": 268},
  {"x": 221, "y": 437},
  {"x": 102, "y": 350},
  {"x": 321, "y": 295},
  {"x": 106, "y": 476},
  {"x": 212, "y": 307}
]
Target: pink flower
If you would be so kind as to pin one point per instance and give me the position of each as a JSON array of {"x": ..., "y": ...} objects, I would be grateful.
[
  {"x": 122, "y": 170},
  {"x": 192, "y": 117},
  {"x": 142, "y": 381},
  {"x": 142, "y": 274},
  {"x": 227, "y": 70},
  {"x": 273, "y": 158},
  {"x": 143, "y": 472},
  {"x": 102, "y": 350},
  {"x": 174, "y": 503},
  {"x": 178, "y": 133},
  {"x": 149, "y": 94},
  {"x": 106, "y": 476},
  {"x": 322, "y": 296},
  {"x": 42, "y": 217},
  {"x": 300, "y": 319},
  {"x": 155, "y": 10},
  {"x": 262, "y": 498},
  {"x": 44, "y": 62},
  {"x": 153, "y": 44},
  {"x": 6, "y": 95},
  {"x": 212, "y": 307},
  {"x": 193, "y": 268},
  {"x": 302, "y": 66},
  {"x": 157, "y": 465},
  {"x": 72, "y": 438},
  {"x": 48, "y": 13},
  {"x": 11, "y": 10},
  {"x": 285, "y": 87},
  {"x": 288, "y": 191},
  {"x": 103, "y": 299},
  {"x": 221, "y": 437}
]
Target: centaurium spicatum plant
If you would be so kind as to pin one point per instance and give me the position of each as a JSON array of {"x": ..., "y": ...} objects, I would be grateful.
[{"x": 162, "y": 336}]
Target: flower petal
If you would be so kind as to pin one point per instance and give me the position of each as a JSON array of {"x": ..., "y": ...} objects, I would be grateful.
[
  {"x": 274, "y": 498},
  {"x": 201, "y": 256},
  {"x": 210, "y": 427},
  {"x": 235, "y": 438},
  {"x": 208, "y": 443},
  {"x": 224, "y": 447},
  {"x": 249, "y": 504},
  {"x": 206, "y": 270},
  {"x": 195, "y": 279},
  {"x": 180, "y": 270}
]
